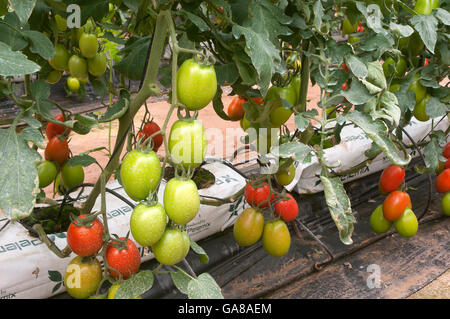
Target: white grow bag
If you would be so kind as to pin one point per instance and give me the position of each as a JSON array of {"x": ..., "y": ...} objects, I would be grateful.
[
  {"x": 350, "y": 152},
  {"x": 28, "y": 269}
]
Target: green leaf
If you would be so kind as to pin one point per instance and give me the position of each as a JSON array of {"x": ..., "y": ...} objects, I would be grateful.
[
  {"x": 196, "y": 20},
  {"x": 389, "y": 107},
  {"x": 373, "y": 16},
  {"x": 133, "y": 5},
  {"x": 84, "y": 124},
  {"x": 443, "y": 15},
  {"x": 357, "y": 66},
  {"x": 301, "y": 152},
  {"x": 132, "y": 65},
  {"x": 99, "y": 85},
  {"x": 23, "y": 9},
  {"x": 435, "y": 108},
  {"x": 340, "y": 207},
  {"x": 375, "y": 75},
  {"x": 318, "y": 15},
  {"x": 95, "y": 9},
  {"x": 227, "y": 74},
  {"x": 19, "y": 183},
  {"x": 15, "y": 63},
  {"x": 204, "y": 287},
  {"x": 10, "y": 32},
  {"x": 432, "y": 154},
  {"x": 204, "y": 259},
  {"x": 40, "y": 90},
  {"x": 33, "y": 135},
  {"x": 357, "y": 94},
  {"x": 136, "y": 285},
  {"x": 118, "y": 109},
  {"x": 83, "y": 160},
  {"x": 426, "y": 26},
  {"x": 218, "y": 105},
  {"x": 377, "y": 132},
  {"x": 181, "y": 280},
  {"x": 402, "y": 31},
  {"x": 40, "y": 44},
  {"x": 378, "y": 43}
]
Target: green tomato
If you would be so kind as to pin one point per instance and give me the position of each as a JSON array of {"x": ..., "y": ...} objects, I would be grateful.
[
  {"x": 88, "y": 44},
  {"x": 113, "y": 290},
  {"x": 435, "y": 4},
  {"x": 60, "y": 59},
  {"x": 140, "y": 173},
  {"x": 424, "y": 7},
  {"x": 73, "y": 84},
  {"x": 394, "y": 88},
  {"x": 82, "y": 278},
  {"x": 97, "y": 64},
  {"x": 419, "y": 90},
  {"x": 53, "y": 77},
  {"x": 61, "y": 23},
  {"x": 352, "y": 39},
  {"x": 181, "y": 200},
  {"x": 78, "y": 67},
  {"x": 378, "y": 223},
  {"x": 172, "y": 248},
  {"x": 398, "y": 68},
  {"x": 420, "y": 109},
  {"x": 148, "y": 223},
  {"x": 276, "y": 239},
  {"x": 187, "y": 143},
  {"x": 295, "y": 85},
  {"x": 407, "y": 225},
  {"x": 280, "y": 114},
  {"x": 286, "y": 176},
  {"x": 248, "y": 228},
  {"x": 348, "y": 28},
  {"x": 245, "y": 124},
  {"x": 72, "y": 175},
  {"x": 445, "y": 204},
  {"x": 196, "y": 84},
  {"x": 47, "y": 172}
]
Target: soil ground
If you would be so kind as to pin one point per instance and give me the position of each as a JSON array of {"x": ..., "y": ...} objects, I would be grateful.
[{"x": 105, "y": 134}]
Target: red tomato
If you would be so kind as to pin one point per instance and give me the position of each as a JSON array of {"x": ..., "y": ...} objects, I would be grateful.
[
  {"x": 148, "y": 130},
  {"x": 395, "y": 204},
  {"x": 255, "y": 196},
  {"x": 85, "y": 241},
  {"x": 344, "y": 86},
  {"x": 258, "y": 100},
  {"x": 360, "y": 28},
  {"x": 442, "y": 182},
  {"x": 446, "y": 152},
  {"x": 126, "y": 261},
  {"x": 391, "y": 178},
  {"x": 447, "y": 163},
  {"x": 426, "y": 62},
  {"x": 57, "y": 150},
  {"x": 53, "y": 129},
  {"x": 345, "y": 67},
  {"x": 236, "y": 109},
  {"x": 287, "y": 209}
]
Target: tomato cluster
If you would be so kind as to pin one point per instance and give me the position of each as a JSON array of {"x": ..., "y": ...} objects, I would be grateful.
[
  {"x": 79, "y": 55},
  {"x": 251, "y": 226},
  {"x": 55, "y": 168},
  {"x": 397, "y": 208}
]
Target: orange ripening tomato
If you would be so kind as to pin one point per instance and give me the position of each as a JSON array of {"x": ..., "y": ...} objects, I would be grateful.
[
  {"x": 442, "y": 182},
  {"x": 391, "y": 178},
  {"x": 236, "y": 109},
  {"x": 258, "y": 100},
  {"x": 395, "y": 204}
]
